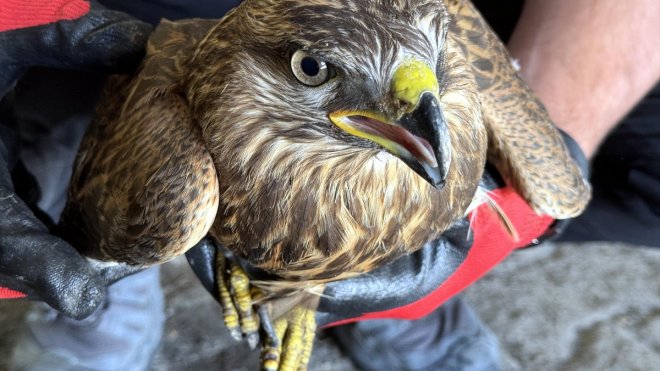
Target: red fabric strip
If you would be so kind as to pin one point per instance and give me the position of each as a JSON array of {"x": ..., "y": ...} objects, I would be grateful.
[
  {"x": 6, "y": 293},
  {"x": 15, "y": 14},
  {"x": 491, "y": 245}
]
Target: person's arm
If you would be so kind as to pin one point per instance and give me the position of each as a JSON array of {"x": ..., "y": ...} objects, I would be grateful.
[{"x": 589, "y": 61}]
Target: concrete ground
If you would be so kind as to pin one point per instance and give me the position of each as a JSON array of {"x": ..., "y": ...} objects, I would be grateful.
[
  {"x": 555, "y": 307},
  {"x": 575, "y": 307}
]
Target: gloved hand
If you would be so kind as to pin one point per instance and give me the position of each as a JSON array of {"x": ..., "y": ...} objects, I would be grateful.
[
  {"x": 62, "y": 34},
  {"x": 415, "y": 285},
  {"x": 72, "y": 34}
]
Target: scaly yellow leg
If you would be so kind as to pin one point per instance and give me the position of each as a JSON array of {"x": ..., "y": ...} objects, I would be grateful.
[
  {"x": 240, "y": 285},
  {"x": 272, "y": 347},
  {"x": 287, "y": 344},
  {"x": 236, "y": 300},
  {"x": 228, "y": 309},
  {"x": 295, "y": 338},
  {"x": 308, "y": 342}
]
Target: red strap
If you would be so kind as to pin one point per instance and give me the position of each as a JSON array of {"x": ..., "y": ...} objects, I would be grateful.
[
  {"x": 6, "y": 293},
  {"x": 15, "y": 14},
  {"x": 491, "y": 245}
]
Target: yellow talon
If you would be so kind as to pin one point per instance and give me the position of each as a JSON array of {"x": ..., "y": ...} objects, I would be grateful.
[
  {"x": 240, "y": 284},
  {"x": 272, "y": 351},
  {"x": 228, "y": 310},
  {"x": 298, "y": 342},
  {"x": 236, "y": 300},
  {"x": 289, "y": 341},
  {"x": 270, "y": 364},
  {"x": 292, "y": 348},
  {"x": 308, "y": 340}
]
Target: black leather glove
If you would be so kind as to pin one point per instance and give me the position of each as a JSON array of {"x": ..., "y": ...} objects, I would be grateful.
[
  {"x": 99, "y": 40},
  {"x": 394, "y": 285},
  {"x": 34, "y": 263}
]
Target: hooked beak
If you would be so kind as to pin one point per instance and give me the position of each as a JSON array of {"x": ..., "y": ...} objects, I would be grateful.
[
  {"x": 427, "y": 121},
  {"x": 419, "y": 137}
]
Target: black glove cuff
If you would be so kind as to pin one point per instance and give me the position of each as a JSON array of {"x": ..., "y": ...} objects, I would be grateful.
[{"x": 202, "y": 259}]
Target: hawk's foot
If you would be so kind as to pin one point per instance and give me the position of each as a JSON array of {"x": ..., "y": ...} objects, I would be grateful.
[
  {"x": 236, "y": 300},
  {"x": 288, "y": 342}
]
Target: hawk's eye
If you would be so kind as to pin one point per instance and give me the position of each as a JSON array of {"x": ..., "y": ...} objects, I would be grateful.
[{"x": 308, "y": 69}]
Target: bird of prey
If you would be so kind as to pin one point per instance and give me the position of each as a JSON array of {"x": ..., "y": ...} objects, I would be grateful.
[{"x": 315, "y": 140}]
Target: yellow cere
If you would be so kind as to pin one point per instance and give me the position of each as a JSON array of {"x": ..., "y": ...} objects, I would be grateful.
[{"x": 413, "y": 78}]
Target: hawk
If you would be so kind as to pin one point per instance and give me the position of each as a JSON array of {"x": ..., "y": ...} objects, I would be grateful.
[{"x": 315, "y": 140}]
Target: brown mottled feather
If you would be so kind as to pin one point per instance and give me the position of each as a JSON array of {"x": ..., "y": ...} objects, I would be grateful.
[
  {"x": 214, "y": 120},
  {"x": 144, "y": 188},
  {"x": 524, "y": 144}
]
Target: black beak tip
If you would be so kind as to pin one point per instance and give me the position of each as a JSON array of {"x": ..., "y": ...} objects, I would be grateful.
[
  {"x": 436, "y": 176},
  {"x": 428, "y": 121},
  {"x": 440, "y": 185}
]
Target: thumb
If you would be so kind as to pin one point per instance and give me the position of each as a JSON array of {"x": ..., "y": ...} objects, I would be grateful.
[
  {"x": 101, "y": 40},
  {"x": 53, "y": 272}
]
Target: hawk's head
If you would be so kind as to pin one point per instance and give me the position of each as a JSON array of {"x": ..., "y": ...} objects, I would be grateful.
[{"x": 337, "y": 76}]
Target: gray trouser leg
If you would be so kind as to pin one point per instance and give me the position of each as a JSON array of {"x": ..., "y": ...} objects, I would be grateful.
[{"x": 450, "y": 338}]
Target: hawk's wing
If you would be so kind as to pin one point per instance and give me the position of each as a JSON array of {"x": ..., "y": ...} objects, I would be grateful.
[
  {"x": 144, "y": 187},
  {"x": 524, "y": 144}
]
